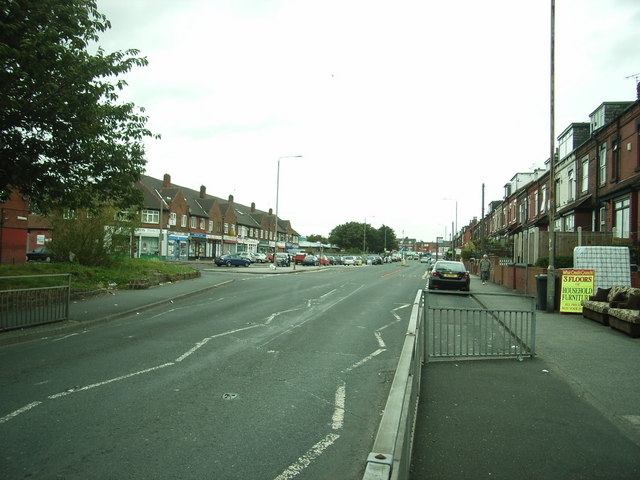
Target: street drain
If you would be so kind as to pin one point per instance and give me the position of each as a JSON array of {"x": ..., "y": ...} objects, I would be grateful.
[{"x": 229, "y": 396}]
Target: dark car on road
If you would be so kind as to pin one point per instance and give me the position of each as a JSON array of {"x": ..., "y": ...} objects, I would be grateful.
[
  {"x": 40, "y": 254},
  {"x": 449, "y": 275},
  {"x": 232, "y": 259}
]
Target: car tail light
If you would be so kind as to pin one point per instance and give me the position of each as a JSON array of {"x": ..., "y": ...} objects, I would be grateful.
[
  {"x": 434, "y": 274},
  {"x": 466, "y": 275}
]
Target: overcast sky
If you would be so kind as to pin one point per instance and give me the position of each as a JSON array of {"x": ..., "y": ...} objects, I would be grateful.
[{"x": 399, "y": 109}]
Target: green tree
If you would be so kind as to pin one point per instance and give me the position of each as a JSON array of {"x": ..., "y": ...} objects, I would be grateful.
[
  {"x": 65, "y": 139},
  {"x": 348, "y": 236},
  {"x": 94, "y": 237},
  {"x": 387, "y": 239},
  {"x": 317, "y": 238}
]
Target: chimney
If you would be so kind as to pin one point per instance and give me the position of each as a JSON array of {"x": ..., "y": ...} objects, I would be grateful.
[
  {"x": 271, "y": 211},
  {"x": 253, "y": 207},
  {"x": 166, "y": 181},
  {"x": 230, "y": 198},
  {"x": 203, "y": 191},
  {"x": 638, "y": 90}
]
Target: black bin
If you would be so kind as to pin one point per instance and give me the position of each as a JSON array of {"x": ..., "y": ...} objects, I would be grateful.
[{"x": 541, "y": 289}]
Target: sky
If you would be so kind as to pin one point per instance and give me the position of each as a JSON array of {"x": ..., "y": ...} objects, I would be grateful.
[{"x": 401, "y": 111}]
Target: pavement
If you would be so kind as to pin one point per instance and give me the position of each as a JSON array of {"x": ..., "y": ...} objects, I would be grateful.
[{"x": 571, "y": 412}]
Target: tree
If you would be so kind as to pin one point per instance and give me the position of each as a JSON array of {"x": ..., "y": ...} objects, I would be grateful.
[
  {"x": 92, "y": 237},
  {"x": 317, "y": 238},
  {"x": 347, "y": 236},
  {"x": 65, "y": 139},
  {"x": 351, "y": 236}
]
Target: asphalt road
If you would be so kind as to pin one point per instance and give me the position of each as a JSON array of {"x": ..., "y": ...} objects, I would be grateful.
[{"x": 269, "y": 377}]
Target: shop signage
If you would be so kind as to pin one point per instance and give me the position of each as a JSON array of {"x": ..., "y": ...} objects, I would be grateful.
[{"x": 577, "y": 285}]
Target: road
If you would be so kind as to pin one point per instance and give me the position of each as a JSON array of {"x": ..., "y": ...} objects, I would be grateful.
[{"x": 269, "y": 377}]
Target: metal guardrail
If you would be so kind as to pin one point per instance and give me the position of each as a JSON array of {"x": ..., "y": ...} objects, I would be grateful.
[
  {"x": 27, "y": 307},
  {"x": 465, "y": 333},
  {"x": 452, "y": 332},
  {"x": 391, "y": 455}
]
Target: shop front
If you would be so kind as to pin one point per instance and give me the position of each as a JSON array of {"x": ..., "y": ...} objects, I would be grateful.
[
  {"x": 197, "y": 246},
  {"x": 177, "y": 246},
  {"x": 146, "y": 244}
]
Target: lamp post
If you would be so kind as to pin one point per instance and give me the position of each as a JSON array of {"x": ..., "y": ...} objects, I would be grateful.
[
  {"x": 454, "y": 226},
  {"x": 364, "y": 235},
  {"x": 275, "y": 233}
]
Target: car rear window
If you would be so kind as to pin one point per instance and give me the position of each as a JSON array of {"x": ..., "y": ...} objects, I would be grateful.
[{"x": 450, "y": 267}]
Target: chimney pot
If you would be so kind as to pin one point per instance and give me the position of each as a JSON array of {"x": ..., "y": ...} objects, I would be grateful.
[
  {"x": 203, "y": 191},
  {"x": 166, "y": 181}
]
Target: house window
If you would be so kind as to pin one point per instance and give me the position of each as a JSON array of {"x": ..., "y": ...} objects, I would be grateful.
[
  {"x": 571, "y": 185},
  {"x": 565, "y": 145},
  {"x": 210, "y": 226},
  {"x": 621, "y": 212},
  {"x": 172, "y": 218},
  {"x": 557, "y": 225},
  {"x": 602, "y": 166},
  {"x": 536, "y": 207},
  {"x": 569, "y": 223},
  {"x": 150, "y": 216},
  {"x": 202, "y": 223},
  {"x": 602, "y": 219},
  {"x": 615, "y": 160},
  {"x": 226, "y": 228},
  {"x": 183, "y": 221},
  {"x": 543, "y": 203},
  {"x": 585, "y": 174}
]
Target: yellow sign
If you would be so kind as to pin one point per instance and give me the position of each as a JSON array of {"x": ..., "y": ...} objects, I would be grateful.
[{"x": 577, "y": 285}]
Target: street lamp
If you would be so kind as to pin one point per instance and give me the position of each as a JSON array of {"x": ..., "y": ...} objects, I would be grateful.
[
  {"x": 275, "y": 233},
  {"x": 364, "y": 235}
]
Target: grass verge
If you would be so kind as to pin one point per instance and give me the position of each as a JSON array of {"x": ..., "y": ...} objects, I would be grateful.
[{"x": 124, "y": 273}]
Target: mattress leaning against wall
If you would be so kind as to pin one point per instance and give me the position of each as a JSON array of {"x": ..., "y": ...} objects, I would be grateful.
[{"x": 612, "y": 264}]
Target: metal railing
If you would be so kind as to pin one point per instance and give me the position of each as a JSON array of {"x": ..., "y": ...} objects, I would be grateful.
[
  {"x": 46, "y": 301},
  {"x": 441, "y": 332},
  {"x": 454, "y": 332}
]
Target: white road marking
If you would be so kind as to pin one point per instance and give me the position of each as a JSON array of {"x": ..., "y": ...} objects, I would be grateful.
[
  {"x": 205, "y": 340},
  {"x": 111, "y": 380},
  {"x": 364, "y": 360},
  {"x": 6, "y": 418},
  {"x": 338, "y": 413},
  {"x": 66, "y": 336},
  {"x": 328, "y": 293},
  {"x": 305, "y": 460},
  {"x": 380, "y": 340}
]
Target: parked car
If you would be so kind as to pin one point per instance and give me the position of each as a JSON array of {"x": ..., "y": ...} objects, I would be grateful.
[
  {"x": 235, "y": 259},
  {"x": 311, "y": 260},
  {"x": 349, "y": 260},
  {"x": 374, "y": 260},
  {"x": 248, "y": 255},
  {"x": 283, "y": 260},
  {"x": 39, "y": 254},
  {"x": 324, "y": 260},
  {"x": 260, "y": 257},
  {"x": 449, "y": 275}
]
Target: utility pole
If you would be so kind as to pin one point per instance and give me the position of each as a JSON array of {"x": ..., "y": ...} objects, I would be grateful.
[
  {"x": 551, "y": 274},
  {"x": 482, "y": 246}
]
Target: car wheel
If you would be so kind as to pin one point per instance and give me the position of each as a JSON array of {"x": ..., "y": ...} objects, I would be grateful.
[
  {"x": 246, "y": 264},
  {"x": 48, "y": 259},
  {"x": 228, "y": 264}
]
